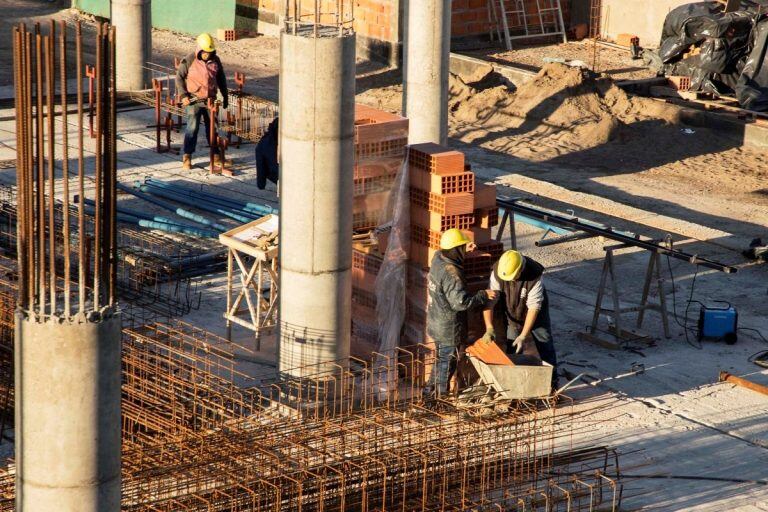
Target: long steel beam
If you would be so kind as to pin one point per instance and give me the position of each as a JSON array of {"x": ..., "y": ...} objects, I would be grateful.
[{"x": 575, "y": 223}]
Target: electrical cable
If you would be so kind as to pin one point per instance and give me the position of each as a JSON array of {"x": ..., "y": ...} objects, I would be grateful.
[
  {"x": 685, "y": 327},
  {"x": 759, "y": 358}
]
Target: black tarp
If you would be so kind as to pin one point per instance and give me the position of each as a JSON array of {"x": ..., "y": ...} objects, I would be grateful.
[
  {"x": 752, "y": 86},
  {"x": 722, "y": 52}
]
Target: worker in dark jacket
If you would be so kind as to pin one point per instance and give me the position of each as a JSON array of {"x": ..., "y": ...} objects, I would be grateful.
[
  {"x": 519, "y": 279},
  {"x": 200, "y": 77},
  {"x": 449, "y": 302},
  {"x": 267, "y": 166}
]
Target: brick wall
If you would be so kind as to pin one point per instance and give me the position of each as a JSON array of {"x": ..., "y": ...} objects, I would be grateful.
[
  {"x": 470, "y": 17},
  {"x": 377, "y": 19}
]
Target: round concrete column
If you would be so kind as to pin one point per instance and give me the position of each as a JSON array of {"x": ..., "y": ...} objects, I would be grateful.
[
  {"x": 133, "y": 22},
  {"x": 427, "y": 48},
  {"x": 317, "y": 118},
  {"x": 67, "y": 414}
]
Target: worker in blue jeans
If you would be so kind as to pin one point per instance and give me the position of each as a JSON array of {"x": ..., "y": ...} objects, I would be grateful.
[
  {"x": 200, "y": 77},
  {"x": 449, "y": 302},
  {"x": 519, "y": 279}
]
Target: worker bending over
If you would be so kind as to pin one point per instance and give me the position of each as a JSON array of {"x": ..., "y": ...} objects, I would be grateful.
[
  {"x": 200, "y": 77},
  {"x": 519, "y": 279},
  {"x": 449, "y": 302}
]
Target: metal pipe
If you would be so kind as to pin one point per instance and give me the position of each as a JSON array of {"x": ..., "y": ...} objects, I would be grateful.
[
  {"x": 131, "y": 218},
  {"x": 250, "y": 208},
  {"x": 170, "y": 207},
  {"x": 196, "y": 204},
  {"x": 738, "y": 381},
  {"x": 574, "y": 223},
  {"x": 548, "y": 242},
  {"x": 149, "y": 217}
]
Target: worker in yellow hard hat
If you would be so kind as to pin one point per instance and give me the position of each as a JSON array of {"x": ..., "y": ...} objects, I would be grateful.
[
  {"x": 525, "y": 303},
  {"x": 449, "y": 302},
  {"x": 200, "y": 77}
]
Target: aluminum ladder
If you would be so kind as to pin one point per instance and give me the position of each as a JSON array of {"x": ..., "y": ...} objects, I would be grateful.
[{"x": 547, "y": 20}]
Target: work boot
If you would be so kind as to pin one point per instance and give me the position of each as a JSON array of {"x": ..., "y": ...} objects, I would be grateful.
[
  {"x": 217, "y": 160},
  {"x": 186, "y": 162}
]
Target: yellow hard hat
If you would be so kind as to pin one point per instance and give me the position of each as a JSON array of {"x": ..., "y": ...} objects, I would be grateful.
[
  {"x": 510, "y": 265},
  {"x": 453, "y": 238},
  {"x": 205, "y": 42}
]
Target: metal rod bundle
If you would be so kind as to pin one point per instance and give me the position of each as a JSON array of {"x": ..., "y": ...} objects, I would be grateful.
[{"x": 44, "y": 230}]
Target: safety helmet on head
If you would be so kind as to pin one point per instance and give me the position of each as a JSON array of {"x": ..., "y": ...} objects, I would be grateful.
[
  {"x": 510, "y": 265},
  {"x": 453, "y": 238},
  {"x": 205, "y": 42}
]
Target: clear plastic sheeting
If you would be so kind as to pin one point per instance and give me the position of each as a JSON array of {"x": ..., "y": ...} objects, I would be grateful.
[{"x": 391, "y": 281}]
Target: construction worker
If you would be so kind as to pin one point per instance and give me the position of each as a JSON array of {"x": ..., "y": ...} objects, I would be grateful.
[
  {"x": 200, "y": 77},
  {"x": 267, "y": 166},
  {"x": 519, "y": 279},
  {"x": 449, "y": 302}
]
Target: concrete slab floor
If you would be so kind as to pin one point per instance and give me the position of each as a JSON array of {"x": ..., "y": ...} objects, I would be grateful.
[{"x": 671, "y": 420}]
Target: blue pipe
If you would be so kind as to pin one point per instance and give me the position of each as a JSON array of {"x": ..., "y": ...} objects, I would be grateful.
[
  {"x": 167, "y": 194},
  {"x": 181, "y": 212},
  {"x": 541, "y": 225},
  {"x": 142, "y": 215},
  {"x": 199, "y": 202},
  {"x": 161, "y": 226},
  {"x": 261, "y": 209}
]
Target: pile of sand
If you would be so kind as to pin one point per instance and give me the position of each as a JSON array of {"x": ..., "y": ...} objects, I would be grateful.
[{"x": 560, "y": 97}]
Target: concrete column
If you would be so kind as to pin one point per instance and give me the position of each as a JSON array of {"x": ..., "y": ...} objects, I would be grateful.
[
  {"x": 133, "y": 21},
  {"x": 68, "y": 414},
  {"x": 427, "y": 52},
  {"x": 317, "y": 117}
]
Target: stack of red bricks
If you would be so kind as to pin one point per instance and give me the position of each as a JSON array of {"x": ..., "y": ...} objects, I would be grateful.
[
  {"x": 380, "y": 142},
  {"x": 366, "y": 263},
  {"x": 445, "y": 194}
]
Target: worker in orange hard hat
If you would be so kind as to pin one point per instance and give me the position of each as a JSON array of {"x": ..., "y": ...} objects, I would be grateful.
[
  {"x": 200, "y": 77},
  {"x": 519, "y": 280},
  {"x": 449, "y": 302}
]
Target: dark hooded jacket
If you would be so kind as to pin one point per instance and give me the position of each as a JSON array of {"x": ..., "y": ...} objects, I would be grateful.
[{"x": 449, "y": 300}]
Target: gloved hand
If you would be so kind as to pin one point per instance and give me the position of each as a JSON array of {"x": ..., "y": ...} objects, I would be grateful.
[
  {"x": 519, "y": 343},
  {"x": 490, "y": 335}
]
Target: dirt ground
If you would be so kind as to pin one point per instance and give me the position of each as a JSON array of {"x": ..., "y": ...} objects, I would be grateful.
[
  {"x": 571, "y": 140},
  {"x": 615, "y": 62}
]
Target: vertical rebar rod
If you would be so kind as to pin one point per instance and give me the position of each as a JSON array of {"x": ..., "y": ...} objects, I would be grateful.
[
  {"x": 65, "y": 167},
  {"x": 40, "y": 205},
  {"x": 98, "y": 160},
  {"x": 50, "y": 72},
  {"x": 80, "y": 170},
  {"x": 113, "y": 168},
  {"x": 28, "y": 172},
  {"x": 18, "y": 81}
]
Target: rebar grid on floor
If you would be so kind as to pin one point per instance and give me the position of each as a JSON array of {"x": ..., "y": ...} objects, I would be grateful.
[
  {"x": 153, "y": 270},
  {"x": 201, "y": 435}
]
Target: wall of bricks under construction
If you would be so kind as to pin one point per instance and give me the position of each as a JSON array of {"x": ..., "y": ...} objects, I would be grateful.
[{"x": 470, "y": 17}]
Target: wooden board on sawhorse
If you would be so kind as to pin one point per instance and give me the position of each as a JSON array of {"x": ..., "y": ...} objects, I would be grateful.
[
  {"x": 253, "y": 247},
  {"x": 609, "y": 283}
]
